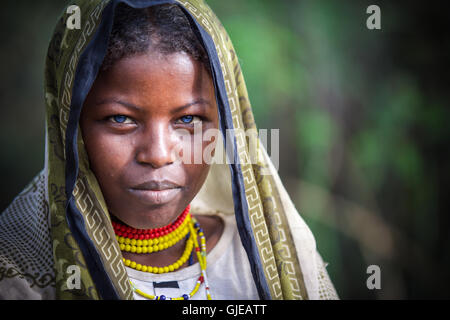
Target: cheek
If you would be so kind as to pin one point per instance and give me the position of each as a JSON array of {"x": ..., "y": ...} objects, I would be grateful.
[
  {"x": 196, "y": 175},
  {"x": 197, "y": 152},
  {"x": 107, "y": 155}
]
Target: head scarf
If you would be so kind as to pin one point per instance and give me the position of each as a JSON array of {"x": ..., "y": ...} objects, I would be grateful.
[{"x": 62, "y": 214}]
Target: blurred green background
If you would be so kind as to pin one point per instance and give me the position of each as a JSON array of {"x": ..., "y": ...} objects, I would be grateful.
[{"x": 362, "y": 116}]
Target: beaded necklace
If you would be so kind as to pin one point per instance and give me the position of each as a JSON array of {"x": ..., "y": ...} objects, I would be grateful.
[
  {"x": 151, "y": 243},
  {"x": 153, "y": 240}
]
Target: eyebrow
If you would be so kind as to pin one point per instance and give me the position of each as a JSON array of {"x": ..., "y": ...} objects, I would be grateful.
[
  {"x": 117, "y": 101},
  {"x": 137, "y": 108},
  {"x": 198, "y": 101}
]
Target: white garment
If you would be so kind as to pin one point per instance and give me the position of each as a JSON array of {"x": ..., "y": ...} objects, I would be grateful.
[{"x": 228, "y": 272}]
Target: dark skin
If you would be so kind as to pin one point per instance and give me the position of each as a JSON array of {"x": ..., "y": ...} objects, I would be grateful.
[{"x": 134, "y": 117}]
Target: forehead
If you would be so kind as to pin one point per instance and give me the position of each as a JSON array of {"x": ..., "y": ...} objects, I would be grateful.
[{"x": 155, "y": 79}]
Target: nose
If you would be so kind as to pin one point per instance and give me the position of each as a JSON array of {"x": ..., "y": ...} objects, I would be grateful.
[{"x": 155, "y": 147}]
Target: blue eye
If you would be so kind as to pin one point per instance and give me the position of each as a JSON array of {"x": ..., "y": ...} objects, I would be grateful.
[
  {"x": 187, "y": 119},
  {"x": 119, "y": 118}
]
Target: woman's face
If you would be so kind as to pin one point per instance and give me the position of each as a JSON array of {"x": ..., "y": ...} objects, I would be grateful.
[{"x": 135, "y": 118}]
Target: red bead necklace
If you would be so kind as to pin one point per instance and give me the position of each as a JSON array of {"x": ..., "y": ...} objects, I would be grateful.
[{"x": 125, "y": 231}]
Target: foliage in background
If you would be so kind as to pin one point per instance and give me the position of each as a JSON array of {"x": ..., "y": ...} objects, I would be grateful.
[{"x": 362, "y": 117}]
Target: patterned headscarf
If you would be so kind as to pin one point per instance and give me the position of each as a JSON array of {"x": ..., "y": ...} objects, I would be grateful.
[{"x": 60, "y": 223}]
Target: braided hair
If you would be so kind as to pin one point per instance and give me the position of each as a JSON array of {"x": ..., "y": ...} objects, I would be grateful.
[{"x": 164, "y": 28}]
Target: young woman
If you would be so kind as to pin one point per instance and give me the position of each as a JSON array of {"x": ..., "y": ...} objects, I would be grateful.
[{"x": 129, "y": 204}]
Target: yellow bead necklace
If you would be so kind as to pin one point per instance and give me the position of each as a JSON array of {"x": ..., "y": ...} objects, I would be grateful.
[
  {"x": 200, "y": 249},
  {"x": 170, "y": 268},
  {"x": 156, "y": 244},
  {"x": 154, "y": 240}
]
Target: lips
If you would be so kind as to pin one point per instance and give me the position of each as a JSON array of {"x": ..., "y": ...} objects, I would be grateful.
[
  {"x": 156, "y": 185},
  {"x": 156, "y": 192}
]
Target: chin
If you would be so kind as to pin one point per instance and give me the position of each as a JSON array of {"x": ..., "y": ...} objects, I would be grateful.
[{"x": 156, "y": 216}]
